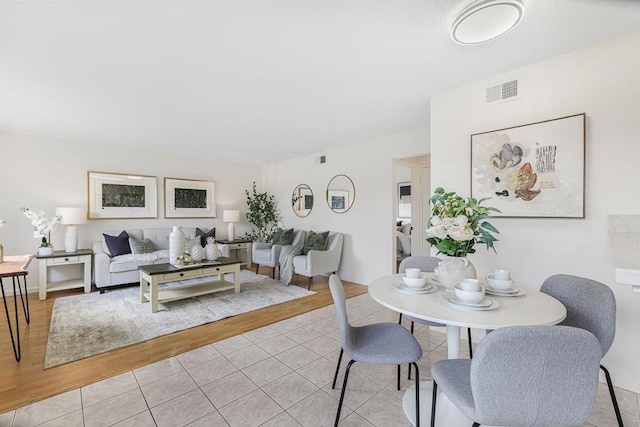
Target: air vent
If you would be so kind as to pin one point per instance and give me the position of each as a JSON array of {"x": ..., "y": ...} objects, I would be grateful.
[
  {"x": 321, "y": 159},
  {"x": 503, "y": 92}
]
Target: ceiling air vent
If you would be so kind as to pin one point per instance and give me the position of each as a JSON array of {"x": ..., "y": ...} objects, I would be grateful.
[{"x": 503, "y": 92}]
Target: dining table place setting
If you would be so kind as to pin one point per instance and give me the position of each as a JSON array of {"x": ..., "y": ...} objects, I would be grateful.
[
  {"x": 415, "y": 281},
  {"x": 499, "y": 283}
]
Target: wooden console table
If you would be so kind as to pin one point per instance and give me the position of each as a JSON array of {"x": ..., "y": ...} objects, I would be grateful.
[
  {"x": 151, "y": 276},
  {"x": 237, "y": 247},
  {"x": 15, "y": 267}
]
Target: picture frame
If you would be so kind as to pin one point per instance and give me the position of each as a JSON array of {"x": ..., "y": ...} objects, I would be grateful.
[
  {"x": 121, "y": 196},
  {"x": 404, "y": 200},
  {"x": 189, "y": 198},
  {"x": 535, "y": 170},
  {"x": 338, "y": 200}
]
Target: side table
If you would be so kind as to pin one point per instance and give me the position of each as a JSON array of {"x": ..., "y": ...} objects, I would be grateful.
[
  {"x": 50, "y": 263},
  {"x": 15, "y": 267},
  {"x": 237, "y": 247}
]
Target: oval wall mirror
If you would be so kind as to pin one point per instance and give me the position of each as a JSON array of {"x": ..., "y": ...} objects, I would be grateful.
[
  {"x": 340, "y": 193},
  {"x": 302, "y": 200}
]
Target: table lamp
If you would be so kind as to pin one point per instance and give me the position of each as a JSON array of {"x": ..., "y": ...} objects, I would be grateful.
[
  {"x": 71, "y": 217},
  {"x": 231, "y": 216}
]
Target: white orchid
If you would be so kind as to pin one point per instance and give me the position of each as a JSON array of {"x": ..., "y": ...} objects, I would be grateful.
[{"x": 42, "y": 226}]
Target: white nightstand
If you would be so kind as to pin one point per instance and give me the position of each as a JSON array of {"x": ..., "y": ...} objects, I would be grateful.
[
  {"x": 236, "y": 248},
  {"x": 57, "y": 272}
]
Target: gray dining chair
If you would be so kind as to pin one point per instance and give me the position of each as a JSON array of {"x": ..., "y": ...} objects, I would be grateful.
[
  {"x": 590, "y": 305},
  {"x": 425, "y": 263},
  {"x": 378, "y": 344},
  {"x": 524, "y": 376}
]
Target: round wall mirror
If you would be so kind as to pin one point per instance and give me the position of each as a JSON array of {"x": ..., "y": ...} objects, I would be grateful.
[
  {"x": 340, "y": 193},
  {"x": 302, "y": 200}
]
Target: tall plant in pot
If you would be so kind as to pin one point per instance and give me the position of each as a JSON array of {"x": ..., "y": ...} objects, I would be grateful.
[
  {"x": 455, "y": 227},
  {"x": 262, "y": 215}
]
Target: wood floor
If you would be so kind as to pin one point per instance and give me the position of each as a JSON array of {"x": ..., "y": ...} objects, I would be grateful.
[{"x": 26, "y": 381}]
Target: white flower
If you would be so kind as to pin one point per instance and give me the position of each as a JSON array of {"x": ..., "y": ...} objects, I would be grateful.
[
  {"x": 438, "y": 231},
  {"x": 435, "y": 220},
  {"x": 447, "y": 223},
  {"x": 41, "y": 225},
  {"x": 460, "y": 220},
  {"x": 460, "y": 233}
]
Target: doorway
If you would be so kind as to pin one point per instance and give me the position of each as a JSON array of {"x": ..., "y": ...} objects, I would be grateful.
[{"x": 412, "y": 189}]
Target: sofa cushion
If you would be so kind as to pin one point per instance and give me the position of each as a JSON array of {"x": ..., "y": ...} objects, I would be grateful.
[
  {"x": 315, "y": 242},
  {"x": 144, "y": 246},
  {"x": 117, "y": 245},
  {"x": 283, "y": 237},
  {"x": 205, "y": 235}
]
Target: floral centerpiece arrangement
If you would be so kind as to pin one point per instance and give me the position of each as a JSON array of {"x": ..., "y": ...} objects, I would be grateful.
[
  {"x": 42, "y": 226},
  {"x": 457, "y": 224}
]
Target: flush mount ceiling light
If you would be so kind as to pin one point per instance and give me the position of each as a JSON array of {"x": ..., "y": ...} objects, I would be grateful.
[{"x": 485, "y": 20}]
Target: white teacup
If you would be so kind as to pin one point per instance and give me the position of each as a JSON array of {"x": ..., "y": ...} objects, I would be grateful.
[
  {"x": 501, "y": 274},
  {"x": 412, "y": 273},
  {"x": 470, "y": 285}
]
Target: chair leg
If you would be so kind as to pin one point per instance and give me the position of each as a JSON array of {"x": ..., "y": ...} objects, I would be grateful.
[
  {"x": 433, "y": 403},
  {"x": 409, "y": 374},
  {"x": 415, "y": 365},
  {"x": 475, "y": 424},
  {"x": 400, "y": 319},
  {"x": 613, "y": 395},
  {"x": 335, "y": 377},
  {"x": 257, "y": 267},
  {"x": 273, "y": 273},
  {"x": 470, "y": 344},
  {"x": 398, "y": 378},
  {"x": 344, "y": 387}
]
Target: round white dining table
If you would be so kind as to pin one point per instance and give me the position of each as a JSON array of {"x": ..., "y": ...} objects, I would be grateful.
[{"x": 532, "y": 308}]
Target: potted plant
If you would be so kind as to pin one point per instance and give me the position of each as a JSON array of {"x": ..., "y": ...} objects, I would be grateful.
[
  {"x": 42, "y": 228},
  {"x": 262, "y": 215},
  {"x": 455, "y": 227}
]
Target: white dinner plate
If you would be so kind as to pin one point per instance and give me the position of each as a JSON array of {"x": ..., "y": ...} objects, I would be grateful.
[
  {"x": 514, "y": 292},
  {"x": 404, "y": 288},
  {"x": 452, "y": 302}
]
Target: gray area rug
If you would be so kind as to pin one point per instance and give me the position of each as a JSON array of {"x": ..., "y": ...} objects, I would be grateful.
[{"x": 90, "y": 324}]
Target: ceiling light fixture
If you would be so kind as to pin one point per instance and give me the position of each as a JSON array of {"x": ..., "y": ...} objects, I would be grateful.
[{"x": 486, "y": 20}]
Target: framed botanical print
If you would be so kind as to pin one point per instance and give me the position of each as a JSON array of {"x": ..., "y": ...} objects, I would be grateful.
[
  {"x": 535, "y": 170},
  {"x": 120, "y": 196},
  {"x": 189, "y": 198}
]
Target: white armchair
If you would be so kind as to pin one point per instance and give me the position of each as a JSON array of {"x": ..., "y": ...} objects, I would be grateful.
[
  {"x": 320, "y": 262},
  {"x": 268, "y": 254}
]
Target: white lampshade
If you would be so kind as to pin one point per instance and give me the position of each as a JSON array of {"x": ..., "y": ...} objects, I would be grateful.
[
  {"x": 71, "y": 217},
  {"x": 485, "y": 20},
  {"x": 231, "y": 215}
]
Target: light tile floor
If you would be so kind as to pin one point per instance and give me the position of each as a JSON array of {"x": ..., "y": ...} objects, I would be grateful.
[{"x": 279, "y": 376}]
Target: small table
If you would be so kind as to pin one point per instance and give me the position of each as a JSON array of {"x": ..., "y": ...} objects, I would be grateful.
[
  {"x": 15, "y": 267},
  {"x": 534, "y": 308},
  {"x": 50, "y": 263},
  {"x": 237, "y": 246},
  {"x": 153, "y": 275}
]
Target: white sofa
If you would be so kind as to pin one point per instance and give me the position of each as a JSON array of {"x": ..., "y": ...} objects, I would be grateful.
[{"x": 122, "y": 269}]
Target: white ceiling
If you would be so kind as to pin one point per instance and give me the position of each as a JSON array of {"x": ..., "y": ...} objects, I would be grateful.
[{"x": 256, "y": 81}]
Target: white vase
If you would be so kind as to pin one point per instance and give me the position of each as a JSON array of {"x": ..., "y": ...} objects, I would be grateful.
[
  {"x": 451, "y": 271},
  {"x": 1, "y": 254},
  {"x": 176, "y": 244},
  {"x": 211, "y": 251}
]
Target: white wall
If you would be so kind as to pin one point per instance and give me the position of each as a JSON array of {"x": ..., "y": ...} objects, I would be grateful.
[
  {"x": 368, "y": 226},
  {"x": 603, "y": 82},
  {"x": 44, "y": 174}
]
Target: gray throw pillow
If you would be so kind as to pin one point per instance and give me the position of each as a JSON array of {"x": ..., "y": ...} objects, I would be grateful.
[
  {"x": 117, "y": 245},
  {"x": 316, "y": 242},
  {"x": 282, "y": 237},
  {"x": 141, "y": 246}
]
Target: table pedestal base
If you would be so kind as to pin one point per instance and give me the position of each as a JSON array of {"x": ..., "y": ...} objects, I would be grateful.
[{"x": 447, "y": 415}]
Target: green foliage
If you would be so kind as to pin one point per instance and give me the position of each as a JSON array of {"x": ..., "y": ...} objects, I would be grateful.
[
  {"x": 263, "y": 215},
  {"x": 457, "y": 224}
]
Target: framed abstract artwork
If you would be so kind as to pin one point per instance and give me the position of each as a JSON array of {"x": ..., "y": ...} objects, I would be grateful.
[
  {"x": 535, "y": 170},
  {"x": 189, "y": 198},
  {"x": 404, "y": 200},
  {"x": 120, "y": 196}
]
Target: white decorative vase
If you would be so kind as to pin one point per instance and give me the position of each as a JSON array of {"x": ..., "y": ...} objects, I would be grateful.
[
  {"x": 211, "y": 251},
  {"x": 197, "y": 252},
  {"x": 176, "y": 244},
  {"x": 451, "y": 271},
  {"x": 45, "y": 251}
]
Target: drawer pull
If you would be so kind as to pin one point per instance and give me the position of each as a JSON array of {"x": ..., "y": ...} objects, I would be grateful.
[
  {"x": 66, "y": 259},
  {"x": 181, "y": 274},
  {"x": 217, "y": 268}
]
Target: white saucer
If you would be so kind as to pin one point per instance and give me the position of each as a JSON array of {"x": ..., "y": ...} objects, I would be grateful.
[
  {"x": 404, "y": 288},
  {"x": 451, "y": 301},
  {"x": 513, "y": 292}
]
